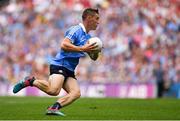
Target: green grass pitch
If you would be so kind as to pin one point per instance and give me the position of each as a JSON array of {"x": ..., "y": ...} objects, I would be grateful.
[{"x": 33, "y": 108}]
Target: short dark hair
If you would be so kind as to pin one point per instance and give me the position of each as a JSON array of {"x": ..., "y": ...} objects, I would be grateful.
[{"x": 89, "y": 11}]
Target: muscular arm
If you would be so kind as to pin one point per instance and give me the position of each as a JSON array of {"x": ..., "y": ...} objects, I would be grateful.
[{"x": 68, "y": 46}]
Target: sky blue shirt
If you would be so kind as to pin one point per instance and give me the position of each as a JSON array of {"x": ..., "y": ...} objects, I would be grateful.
[{"x": 78, "y": 36}]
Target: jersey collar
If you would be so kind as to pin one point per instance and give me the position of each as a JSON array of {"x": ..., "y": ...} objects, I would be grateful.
[{"x": 83, "y": 27}]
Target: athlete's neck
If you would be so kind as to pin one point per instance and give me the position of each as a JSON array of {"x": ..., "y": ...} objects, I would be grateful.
[{"x": 86, "y": 26}]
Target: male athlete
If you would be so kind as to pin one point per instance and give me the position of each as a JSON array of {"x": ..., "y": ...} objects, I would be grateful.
[{"x": 73, "y": 46}]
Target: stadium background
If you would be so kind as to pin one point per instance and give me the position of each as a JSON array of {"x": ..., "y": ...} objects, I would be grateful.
[{"x": 141, "y": 46}]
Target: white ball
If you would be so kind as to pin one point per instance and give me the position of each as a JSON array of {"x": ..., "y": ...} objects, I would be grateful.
[{"x": 97, "y": 41}]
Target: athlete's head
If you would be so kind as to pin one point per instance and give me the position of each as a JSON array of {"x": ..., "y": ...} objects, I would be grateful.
[{"x": 91, "y": 17}]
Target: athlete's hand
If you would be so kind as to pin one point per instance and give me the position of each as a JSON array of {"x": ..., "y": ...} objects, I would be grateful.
[{"x": 89, "y": 47}]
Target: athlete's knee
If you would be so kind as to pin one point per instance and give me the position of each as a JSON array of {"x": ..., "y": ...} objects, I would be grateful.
[
  {"x": 76, "y": 94},
  {"x": 53, "y": 92}
]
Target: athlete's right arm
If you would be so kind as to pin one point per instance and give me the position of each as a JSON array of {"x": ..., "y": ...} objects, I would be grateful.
[{"x": 66, "y": 45}]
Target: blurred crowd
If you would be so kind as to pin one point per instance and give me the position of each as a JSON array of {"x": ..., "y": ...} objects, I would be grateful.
[{"x": 141, "y": 39}]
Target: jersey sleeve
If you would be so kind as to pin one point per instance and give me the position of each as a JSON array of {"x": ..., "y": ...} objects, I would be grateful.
[{"x": 72, "y": 34}]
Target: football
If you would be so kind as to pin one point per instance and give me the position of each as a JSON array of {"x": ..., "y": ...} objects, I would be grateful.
[{"x": 97, "y": 41}]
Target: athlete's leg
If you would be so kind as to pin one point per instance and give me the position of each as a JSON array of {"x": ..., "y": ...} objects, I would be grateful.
[
  {"x": 73, "y": 92},
  {"x": 52, "y": 86}
]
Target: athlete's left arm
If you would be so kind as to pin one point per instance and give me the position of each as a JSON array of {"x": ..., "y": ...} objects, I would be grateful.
[{"x": 68, "y": 46}]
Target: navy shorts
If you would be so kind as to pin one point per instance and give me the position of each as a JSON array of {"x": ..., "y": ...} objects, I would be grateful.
[{"x": 61, "y": 70}]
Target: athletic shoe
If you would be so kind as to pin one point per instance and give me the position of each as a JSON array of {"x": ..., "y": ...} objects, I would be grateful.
[
  {"x": 51, "y": 111},
  {"x": 23, "y": 83}
]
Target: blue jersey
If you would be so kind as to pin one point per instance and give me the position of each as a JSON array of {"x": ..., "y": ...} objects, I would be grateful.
[{"x": 78, "y": 36}]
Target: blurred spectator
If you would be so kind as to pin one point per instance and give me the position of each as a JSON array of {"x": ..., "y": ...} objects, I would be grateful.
[
  {"x": 159, "y": 76},
  {"x": 4, "y": 3}
]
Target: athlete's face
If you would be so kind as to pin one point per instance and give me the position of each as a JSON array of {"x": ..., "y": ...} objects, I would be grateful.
[{"x": 93, "y": 21}]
